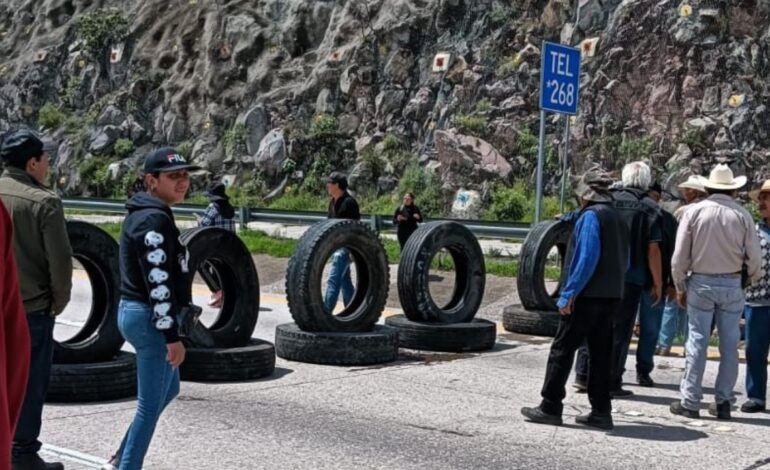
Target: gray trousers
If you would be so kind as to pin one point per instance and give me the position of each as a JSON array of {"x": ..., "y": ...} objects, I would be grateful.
[{"x": 710, "y": 296}]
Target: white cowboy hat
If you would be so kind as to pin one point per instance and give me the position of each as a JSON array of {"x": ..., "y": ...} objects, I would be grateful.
[
  {"x": 764, "y": 189},
  {"x": 693, "y": 182},
  {"x": 721, "y": 178}
]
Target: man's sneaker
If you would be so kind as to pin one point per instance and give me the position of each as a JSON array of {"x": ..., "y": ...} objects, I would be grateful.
[
  {"x": 34, "y": 462},
  {"x": 644, "y": 380},
  {"x": 581, "y": 385},
  {"x": 536, "y": 415},
  {"x": 596, "y": 421},
  {"x": 677, "y": 409},
  {"x": 621, "y": 393},
  {"x": 720, "y": 410},
  {"x": 663, "y": 351},
  {"x": 752, "y": 407}
]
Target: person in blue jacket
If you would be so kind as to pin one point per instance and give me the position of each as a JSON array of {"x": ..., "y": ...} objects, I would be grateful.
[{"x": 597, "y": 257}]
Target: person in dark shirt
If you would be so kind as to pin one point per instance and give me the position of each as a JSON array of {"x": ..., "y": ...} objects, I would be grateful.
[
  {"x": 406, "y": 218},
  {"x": 597, "y": 257},
  {"x": 341, "y": 206}
]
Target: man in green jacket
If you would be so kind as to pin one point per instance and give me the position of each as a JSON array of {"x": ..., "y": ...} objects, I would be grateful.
[{"x": 44, "y": 259}]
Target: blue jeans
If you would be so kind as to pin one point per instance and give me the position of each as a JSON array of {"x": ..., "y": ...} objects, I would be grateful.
[
  {"x": 674, "y": 324},
  {"x": 339, "y": 278},
  {"x": 650, "y": 317},
  {"x": 25, "y": 440},
  {"x": 757, "y": 346},
  {"x": 710, "y": 296},
  {"x": 158, "y": 381}
]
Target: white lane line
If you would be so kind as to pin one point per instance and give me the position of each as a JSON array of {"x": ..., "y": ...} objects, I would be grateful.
[{"x": 90, "y": 461}]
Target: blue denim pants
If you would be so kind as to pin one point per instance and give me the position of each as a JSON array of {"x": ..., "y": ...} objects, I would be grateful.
[
  {"x": 650, "y": 317},
  {"x": 710, "y": 296},
  {"x": 757, "y": 346},
  {"x": 339, "y": 279},
  {"x": 674, "y": 324},
  {"x": 158, "y": 382}
]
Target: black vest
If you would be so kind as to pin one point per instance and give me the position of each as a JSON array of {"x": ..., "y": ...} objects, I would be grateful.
[
  {"x": 609, "y": 276},
  {"x": 639, "y": 213}
]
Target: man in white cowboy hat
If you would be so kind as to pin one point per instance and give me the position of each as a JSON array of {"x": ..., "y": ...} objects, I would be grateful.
[
  {"x": 674, "y": 321},
  {"x": 597, "y": 257},
  {"x": 758, "y": 313},
  {"x": 715, "y": 240}
]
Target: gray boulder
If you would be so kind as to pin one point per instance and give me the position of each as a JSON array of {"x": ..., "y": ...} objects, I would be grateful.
[
  {"x": 257, "y": 122},
  {"x": 271, "y": 154},
  {"x": 102, "y": 139}
]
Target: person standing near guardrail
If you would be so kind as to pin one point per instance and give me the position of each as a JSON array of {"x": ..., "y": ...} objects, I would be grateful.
[
  {"x": 14, "y": 338},
  {"x": 406, "y": 218},
  {"x": 44, "y": 257},
  {"x": 715, "y": 243},
  {"x": 221, "y": 214},
  {"x": 153, "y": 271},
  {"x": 341, "y": 206},
  {"x": 597, "y": 257}
]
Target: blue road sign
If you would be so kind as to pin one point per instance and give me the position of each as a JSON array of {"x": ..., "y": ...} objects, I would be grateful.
[{"x": 559, "y": 78}]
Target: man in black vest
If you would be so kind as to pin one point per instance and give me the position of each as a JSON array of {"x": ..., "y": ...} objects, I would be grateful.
[
  {"x": 642, "y": 218},
  {"x": 597, "y": 258}
]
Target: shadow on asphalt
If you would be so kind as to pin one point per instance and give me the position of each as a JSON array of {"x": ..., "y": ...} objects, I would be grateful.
[
  {"x": 279, "y": 372},
  {"x": 751, "y": 421},
  {"x": 675, "y": 387},
  {"x": 656, "y": 432}
]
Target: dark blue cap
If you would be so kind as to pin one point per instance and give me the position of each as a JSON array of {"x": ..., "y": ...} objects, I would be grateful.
[
  {"x": 166, "y": 159},
  {"x": 19, "y": 146}
]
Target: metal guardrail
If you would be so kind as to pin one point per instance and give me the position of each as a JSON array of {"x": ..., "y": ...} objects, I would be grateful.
[{"x": 479, "y": 228}]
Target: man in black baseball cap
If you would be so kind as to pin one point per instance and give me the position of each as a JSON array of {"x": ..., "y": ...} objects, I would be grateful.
[{"x": 164, "y": 160}]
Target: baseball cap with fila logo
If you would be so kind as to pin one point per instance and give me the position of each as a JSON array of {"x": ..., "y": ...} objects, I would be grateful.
[{"x": 166, "y": 159}]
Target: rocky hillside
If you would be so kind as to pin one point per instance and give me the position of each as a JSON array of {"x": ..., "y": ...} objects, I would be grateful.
[{"x": 430, "y": 95}]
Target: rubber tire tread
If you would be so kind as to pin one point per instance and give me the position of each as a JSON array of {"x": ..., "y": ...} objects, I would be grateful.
[
  {"x": 476, "y": 335},
  {"x": 414, "y": 271},
  {"x": 306, "y": 266},
  {"x": 253, "y": 361},
  {"x": 347, "y": 349},
  {"x": 99, "y": 339},
  {"x": 240, "y": 311},
  {"x": 530, "y": 281},
  {"x": 530, "y": 322},
  {"x": 94, "y": 382}
]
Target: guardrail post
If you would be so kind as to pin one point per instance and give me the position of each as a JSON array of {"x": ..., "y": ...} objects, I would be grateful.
[
  {"x": 376, "y": 223},
  {"x": 244, "y": 216}
]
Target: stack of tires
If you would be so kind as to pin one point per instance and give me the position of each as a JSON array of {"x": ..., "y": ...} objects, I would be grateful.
[
  {"x": 351, "y": 337},
  {"x": 538, "y": 314},
  {"x": 224, "y": 351},
  {"x": 451, "y": 327},
  {"x": 90, "y": 366}
]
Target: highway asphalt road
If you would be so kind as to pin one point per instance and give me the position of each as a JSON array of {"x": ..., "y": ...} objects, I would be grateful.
[{"x": 425, "y": 411}]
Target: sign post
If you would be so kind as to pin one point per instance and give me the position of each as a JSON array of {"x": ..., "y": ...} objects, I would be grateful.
[{"x": 559, "y": 93}]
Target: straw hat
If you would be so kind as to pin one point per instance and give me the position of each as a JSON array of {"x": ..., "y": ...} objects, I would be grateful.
[
  {"x": 764, "y": 189},
  {"x": 693, "y": 182},
  {"x": 721, "y": 178}
]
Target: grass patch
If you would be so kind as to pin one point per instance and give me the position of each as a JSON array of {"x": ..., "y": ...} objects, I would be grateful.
[
  {"x": 261, "y": 243},
  {"x": 112, "y": 228}
]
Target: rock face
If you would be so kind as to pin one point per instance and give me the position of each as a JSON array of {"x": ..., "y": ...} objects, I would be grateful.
[{"x": 217, "y": 79}]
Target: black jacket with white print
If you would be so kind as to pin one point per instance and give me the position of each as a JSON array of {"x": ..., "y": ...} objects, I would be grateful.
[{"x": 153, "y": 263}]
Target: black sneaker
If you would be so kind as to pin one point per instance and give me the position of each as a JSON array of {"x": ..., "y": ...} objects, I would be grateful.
[
  {"x": 536, "y": 415},
  {"x": 677, "y": 409},
  {"x": 34, "y": 462},
  {"x": 644, "y": 379},
  {"x": 621, "y": 393},
  {"x": 720, "y": 410},
  {"x": 752, "y": 407},
  {"x": 596, "y": 421}
]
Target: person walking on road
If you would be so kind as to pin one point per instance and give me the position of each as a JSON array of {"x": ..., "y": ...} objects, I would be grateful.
[
  {"x": 341, "y": 206},
  {"x": 153, "y": 270},
  {"x": 674, "y": 323},
  {"x": 14, "y": 341},
  {"x": 44, "y": 256},
  {"x": 221, "y": 214},
  {"x": 715, "y": 240},
  {"x": 597, "y": 258},
  {"x": 758, "y": 313},
  {"x": 642, "y": 218},
  {"x": 406, "y": 218}
]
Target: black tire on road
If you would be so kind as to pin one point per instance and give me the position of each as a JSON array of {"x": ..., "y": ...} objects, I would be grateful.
[
  {"x": 532, "y": 260},
  {"x": 414, "y": 271},
  {"x": 305, "y": 272},
  {"x": 349, "y": 349},
  {"x": 237, "y": 277},
  {"x": 99, "y": 338},
  {"x": 254, "y": 361},
  {"x": 476, "y": 335},
  {"x": 530, "y": 322},
  {"x": 94, "y": 382}
]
